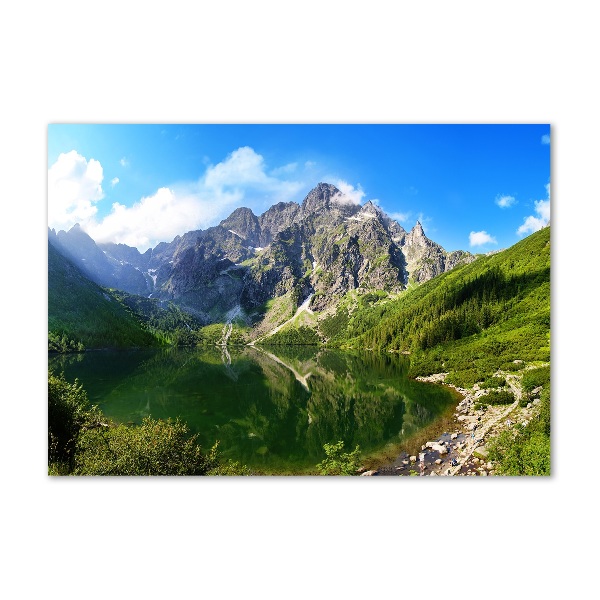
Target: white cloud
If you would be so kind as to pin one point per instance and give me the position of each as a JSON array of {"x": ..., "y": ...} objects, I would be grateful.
[
  {"x": 245, "y": 170},
  {"x": 161, "y": 216},
  {"x": 309, "y": 164},
  {"x": 400, "y": 217},
  {"x": 540, "y": 219},
  {"x": 348, "y": 193},
  {"x": 74, "y": 187},
  {"x": 124, "y": 162},
  {"x": 505, "y": 201},
  {"x": 114, "y": 181},
  {"x": 479, "y": 238},
  {"x": 285, "y": 170},
  {"x": 545, "y": 139},
  {"x": 240, "y": 179}
]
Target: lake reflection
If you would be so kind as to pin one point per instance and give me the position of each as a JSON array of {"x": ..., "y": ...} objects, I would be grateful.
[{"x": 272, "y": 409}]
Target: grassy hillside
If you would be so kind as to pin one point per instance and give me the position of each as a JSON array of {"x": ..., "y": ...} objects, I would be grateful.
[
  {"x": 470, "y": 321},
  {"x": 82, "y": 314}
]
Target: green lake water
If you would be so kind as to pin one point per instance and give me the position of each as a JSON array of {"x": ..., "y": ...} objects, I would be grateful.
[{"x": 271, "y": 409}]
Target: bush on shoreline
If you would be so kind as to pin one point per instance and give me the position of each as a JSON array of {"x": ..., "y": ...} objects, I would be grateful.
[
  {"x": 81, "y": 441},
  {"x": 525, "y": 450}
]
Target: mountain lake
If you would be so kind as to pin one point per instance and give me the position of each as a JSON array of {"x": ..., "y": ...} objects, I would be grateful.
[{"x": 271, "y": 408}]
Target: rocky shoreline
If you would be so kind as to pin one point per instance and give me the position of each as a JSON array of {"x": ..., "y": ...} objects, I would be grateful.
[{"x": 462, "y": 451}]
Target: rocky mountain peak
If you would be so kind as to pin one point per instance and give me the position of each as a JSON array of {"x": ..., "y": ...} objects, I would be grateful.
[
  {"x": 417, "y": 237},
  {"x": 370, "y": 210},
  {"x": 243, "y": 223},
  {"x": 320, "y": 197}
]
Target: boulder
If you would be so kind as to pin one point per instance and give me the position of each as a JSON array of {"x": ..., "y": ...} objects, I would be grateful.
[
  {"x": 438, "y": 461},
  {"x": 368, "y": 473},
  {"x": 481, "y": 453},
  {"x": 454, "y": 436},
  {"x": 439, "y": 448},
  {"x": 413, "y": 459}
]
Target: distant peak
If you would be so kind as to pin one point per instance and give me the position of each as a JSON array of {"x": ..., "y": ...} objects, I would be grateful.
[
  {"x": 320, "y": 196},
  {"x": 418, "y": 229},
  {"x": 242, "y": 210},
  {"x": 370, "y": 207}
]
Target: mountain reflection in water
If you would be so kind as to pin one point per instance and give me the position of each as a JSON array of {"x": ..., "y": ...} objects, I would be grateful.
[{"x": 270, "y": 408}]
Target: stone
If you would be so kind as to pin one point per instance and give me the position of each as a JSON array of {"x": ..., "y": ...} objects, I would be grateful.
[
  {"x": 439, "y": 448},
  {"x": 438, "y": 461},
  {"x": 481, "y": 453},
  {"x": 536, "y": 401},
  {"x": 454, "y": 436},
  {"x": 413, "y": 459},
  {"x": 368, "y": 473}
]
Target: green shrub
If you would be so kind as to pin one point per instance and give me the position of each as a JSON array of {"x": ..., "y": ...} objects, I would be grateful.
[
  {"x": 338, "y": 462},
  {"x": 498, "y": 397},
  {"x": 68, "y": 413},
  {"x": 492, "y": 382},
  {"x": 512, "y": 366},
  {"x": 155, "y": 447},
  {"x": 525, "y": 450},
  {"x": 535, "y": 378}
]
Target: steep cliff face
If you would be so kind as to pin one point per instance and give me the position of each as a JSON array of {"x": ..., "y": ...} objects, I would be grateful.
[
  {"x": 324, "y": 247},
  {"x": 426, "y": 259}
]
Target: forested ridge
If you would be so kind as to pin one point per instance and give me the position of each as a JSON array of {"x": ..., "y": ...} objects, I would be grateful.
[
  {"x": 469, "y": 321},
  {"x": 82, "y": 315}
]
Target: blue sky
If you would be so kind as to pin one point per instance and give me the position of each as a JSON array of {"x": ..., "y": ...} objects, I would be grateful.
[{"x": 472, "y": 187}]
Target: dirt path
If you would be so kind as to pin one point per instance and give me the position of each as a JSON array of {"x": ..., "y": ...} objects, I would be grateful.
[{"x": 473, "y": 444}]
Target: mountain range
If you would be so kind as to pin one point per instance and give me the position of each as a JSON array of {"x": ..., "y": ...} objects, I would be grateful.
[{"x": 257, "y": 270}]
